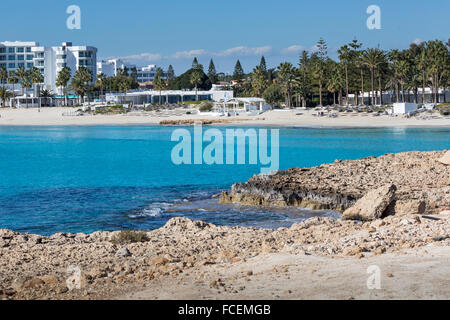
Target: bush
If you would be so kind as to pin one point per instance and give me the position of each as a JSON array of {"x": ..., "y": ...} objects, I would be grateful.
[
  {"x": 206, "y": 106},
  {"x": 130, "y": 236}
]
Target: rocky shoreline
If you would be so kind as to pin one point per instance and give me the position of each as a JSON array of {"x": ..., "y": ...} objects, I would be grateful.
[
  {"x": 421, "y": 181},
  {"x": 37, "y": 267},
  {"x": 410, "y": 191},
  {"x": 205, "y": 122}
]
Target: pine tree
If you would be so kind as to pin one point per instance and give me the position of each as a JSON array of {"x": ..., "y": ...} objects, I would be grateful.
[
  {"x": 238, "y": 74},
  {"x": 263, "y": 65},
  {"x": 170, "y": 73},
  {"x": 212, "y": 73},
  {"x": 196, "y": 65}
]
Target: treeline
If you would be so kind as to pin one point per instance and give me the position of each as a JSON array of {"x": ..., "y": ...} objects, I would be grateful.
[{"x": 319, "y": 80}]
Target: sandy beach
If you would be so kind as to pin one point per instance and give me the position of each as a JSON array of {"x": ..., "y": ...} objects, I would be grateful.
[{"x": 301, "y": 118}]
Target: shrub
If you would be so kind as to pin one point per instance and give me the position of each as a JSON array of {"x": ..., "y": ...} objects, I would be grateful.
[
  {"x": 130, "y": 236},
  {"x": 206, "y": 106}
]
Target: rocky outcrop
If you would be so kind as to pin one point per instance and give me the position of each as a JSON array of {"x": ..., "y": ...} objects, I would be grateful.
[
  {"x": 423, "y": 184},
  {"x": 373, "y": 205}
]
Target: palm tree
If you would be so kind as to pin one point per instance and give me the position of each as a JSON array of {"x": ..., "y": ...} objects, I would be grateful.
[
  {"x": 3, "y": 76},
  {"x": 259, "y": 81},
  {"x": 355, "y": 58},
  {"x": 12, "y": 79},
  {"x": 286, "y": 77},
  {"x": 63, "y": 79},
  {"x": 81, "y": 80},
  {"x": 372, "y": 58},
  {"x": 36, "y": 77},
  {"x": 22, "y": 74},
  {"x": 45, "y": 94},
  {"x": 196, "y": 79},
  {"x": 101, "y": 81},
  {"x": 401, "y": 69},
  {"x": 160, "y": 85},
  {"x": 345, "y": 57},
  {"x": 27, "y": 83},
  {"x": 422, "y": 64},
  {"x": 4, "y": 94},
  {"x": 335, "y": 82}
]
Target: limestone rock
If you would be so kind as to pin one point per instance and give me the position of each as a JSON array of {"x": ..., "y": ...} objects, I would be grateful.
[
  {"x": 123, "y": 252},
  {"x": 445, "y": 159},
  {"x": 372, "y": 205},
  {"x": 409, "y": 207}
]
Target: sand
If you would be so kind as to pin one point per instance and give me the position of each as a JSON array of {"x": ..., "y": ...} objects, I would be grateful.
[
  {"x": 411, "y": 274},
  {"x": 53, "y": 116}
]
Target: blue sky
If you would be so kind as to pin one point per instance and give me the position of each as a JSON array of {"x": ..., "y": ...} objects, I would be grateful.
[{"x": 173, "y": 31}]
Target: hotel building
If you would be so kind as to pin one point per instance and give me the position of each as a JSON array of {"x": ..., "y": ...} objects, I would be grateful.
[
  {"x": 112, "y": 67},
  {"x": 49, "y": 60}
]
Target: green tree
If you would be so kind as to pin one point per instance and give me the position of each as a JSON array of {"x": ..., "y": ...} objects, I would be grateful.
[
  {"x": 4, "y": 95},
  {"x": 23, "y": 76},
  {"x": 212, "y": 73},
  {"x": 320, "y": 65},
  {"x": 81, "y": 80},
  {"x": 196, "y": 65},
  {"x": 3, "y": 76},
  {"x": 345, "y": 57},
  {"x": 273, "y": 94},
  {"x": 12, "y": 79},
  {"x": 36, "y": 78},
  {"x": 159, "y": 85},
  {"x": 62, "y": 81},
  {"x": 372, "y": 58},
  {"x": 170, "y": 73},
  {"x": 285, "y": 77},
  {"x": 355, "y": 58},
  {"x": 259, "y": 81},
  {"x": 238, "y": 74},
  {"x": 263, "y": 66},
  {"x": 196, "y": 79},
  {"x": 335, "y": 82}
]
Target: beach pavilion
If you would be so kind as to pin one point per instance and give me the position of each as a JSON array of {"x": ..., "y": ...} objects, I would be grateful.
[{"x": 233, "y": 106}]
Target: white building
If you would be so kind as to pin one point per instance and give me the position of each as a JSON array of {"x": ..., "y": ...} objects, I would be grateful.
[
  {"x": 404, "y": 108},
  {"x": 167, "y": 96},
  {"x": 49, "y": 60},
  {"x": 14, "y": 55},
  {"x": 112, "y": 67}
]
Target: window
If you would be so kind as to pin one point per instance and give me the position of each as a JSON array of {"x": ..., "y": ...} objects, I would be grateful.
[
  {"x": 21, "y": 64},
  {"x": 29, "y": 57},
  {"x": 2, "y": 65},
  {"x": 30, "y": 65},
  {"x": 20, "y": 57},
  {"x": 2, "y": 50},
  {"x": 11, "y": 65},
  {"x": 28, "y": 49},
  {"x": 11, "y": 50},
  {"x": 11, "y": 57},
  {"x": 2, "y": 58},
  {"x": 20, "y": 50}
]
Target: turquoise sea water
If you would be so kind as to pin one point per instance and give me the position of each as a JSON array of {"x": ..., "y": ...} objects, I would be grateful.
[{"x": 88, "y": 178}]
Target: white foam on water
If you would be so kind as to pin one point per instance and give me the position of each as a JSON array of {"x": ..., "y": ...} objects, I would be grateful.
[{"x": 154, "y": 210}]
